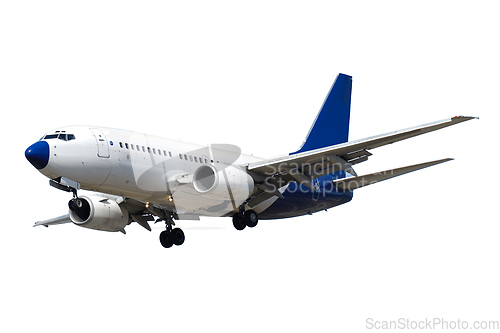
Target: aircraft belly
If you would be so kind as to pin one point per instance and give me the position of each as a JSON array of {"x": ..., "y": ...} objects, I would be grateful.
[
  {"x": 188, "y": 201},
  {"x": 301, "y": 202}
]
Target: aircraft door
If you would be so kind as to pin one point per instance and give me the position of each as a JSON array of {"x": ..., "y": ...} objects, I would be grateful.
[{"x": 102, "y": 143}]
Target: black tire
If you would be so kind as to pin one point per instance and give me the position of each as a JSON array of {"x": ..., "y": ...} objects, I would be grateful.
[
  {"x": 177, "y": 236},
  {"x": 166, "y": 239},
  {"x": 251, "y": 218},
  {"x": 238, "y": 223}
]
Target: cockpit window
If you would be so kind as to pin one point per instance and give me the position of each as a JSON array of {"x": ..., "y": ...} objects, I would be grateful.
[{"x": 60, "y": 136}]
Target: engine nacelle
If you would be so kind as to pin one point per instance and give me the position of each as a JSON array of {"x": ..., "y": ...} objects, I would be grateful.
[
  {"x": 99, "y": 213},
  {"x": 230, "y": 182}
]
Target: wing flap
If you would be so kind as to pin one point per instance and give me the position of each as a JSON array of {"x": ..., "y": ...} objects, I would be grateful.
[
  {"x": 353, "y": 183},
  {"x": 142, "y": 221}
]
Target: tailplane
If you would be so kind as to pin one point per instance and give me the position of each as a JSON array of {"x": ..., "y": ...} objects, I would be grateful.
[{"x": 331, "y": 125}]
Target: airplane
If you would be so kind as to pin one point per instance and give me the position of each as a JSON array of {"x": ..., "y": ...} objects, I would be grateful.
[{"x": 137, "y": 177}]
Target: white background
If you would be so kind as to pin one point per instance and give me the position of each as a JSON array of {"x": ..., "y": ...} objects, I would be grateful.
[{"x": 420, "y": 246}]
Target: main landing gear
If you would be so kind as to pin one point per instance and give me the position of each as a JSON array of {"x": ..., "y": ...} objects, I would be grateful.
[
  {"x": 170, "y": 236},
  {"x": 175, "y": 236},
  {"x": 244, "y": 219}
]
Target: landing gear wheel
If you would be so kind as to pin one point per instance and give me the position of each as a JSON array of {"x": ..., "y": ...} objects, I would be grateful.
[
  {"x": 170, "y": 236},
  {"x": 177, "y": 236},
  {"x": 166, "y": 239},
  {"x": 238, "y": 222},
  {"x": 251, "y": 218}
]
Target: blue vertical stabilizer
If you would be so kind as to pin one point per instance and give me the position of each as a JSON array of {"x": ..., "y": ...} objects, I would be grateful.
[{"x": 331, "y": 125}]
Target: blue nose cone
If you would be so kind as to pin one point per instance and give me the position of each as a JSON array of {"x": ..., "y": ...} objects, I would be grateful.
[{"x": 38, "y": 154}]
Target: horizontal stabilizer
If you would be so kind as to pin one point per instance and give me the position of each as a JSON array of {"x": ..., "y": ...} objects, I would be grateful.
[
  {"x": 57, "y": 220},
  {"x": 349, "y": 184}
]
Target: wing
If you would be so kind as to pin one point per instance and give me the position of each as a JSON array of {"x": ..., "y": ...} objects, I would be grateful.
[
  {"x": 306, "y": 166},
  {"x": 139, "y": 211},
  {"x": 353, "y": 183},
  {"x": 57, "y": 220},
  {"x": 134, "y": 207}
]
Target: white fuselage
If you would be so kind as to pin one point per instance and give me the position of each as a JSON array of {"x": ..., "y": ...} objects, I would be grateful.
[{"x": 141, "y": 166}]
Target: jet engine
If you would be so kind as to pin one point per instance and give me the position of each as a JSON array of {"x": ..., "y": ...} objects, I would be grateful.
[
  {"x": 99, "y": 213},
  {"x": 228, "y": 183}
]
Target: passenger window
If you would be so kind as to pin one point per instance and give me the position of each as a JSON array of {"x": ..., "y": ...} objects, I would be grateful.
[
  {"x": 144, "y": 150},
  {"x": 180, "y": 156},
  {"x": 165, "y": 153},
  {"x": 126, "y": 145},
  {"x": 154, "y": 151},
  {"x": 137, "y": 146},
  {"x": 196, "y": 159},
  {"x": 132, "y": 146},
  {"x": 185, "y": 157},
  {"x": 121, "y": 145},
  {"x": 170, "y": 154},
  {"x": 149, "y": 150}
]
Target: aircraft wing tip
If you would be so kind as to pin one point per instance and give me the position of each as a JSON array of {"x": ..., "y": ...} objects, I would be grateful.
[{"x": 464, "y": 118}]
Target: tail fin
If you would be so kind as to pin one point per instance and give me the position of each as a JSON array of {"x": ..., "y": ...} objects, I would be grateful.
[{"x": 331, "y": 125}]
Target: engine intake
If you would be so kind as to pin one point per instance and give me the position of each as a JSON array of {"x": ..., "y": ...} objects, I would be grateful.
[
  {"x": 229, "y": 183},
  {"x": 99, "y": 213},
  {"x": 205, "y": 178}
]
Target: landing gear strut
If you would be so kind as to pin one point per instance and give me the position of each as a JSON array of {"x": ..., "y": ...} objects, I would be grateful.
[
  {"x": 171, "y": 236},
  {"x": 244, "y": 219}
]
